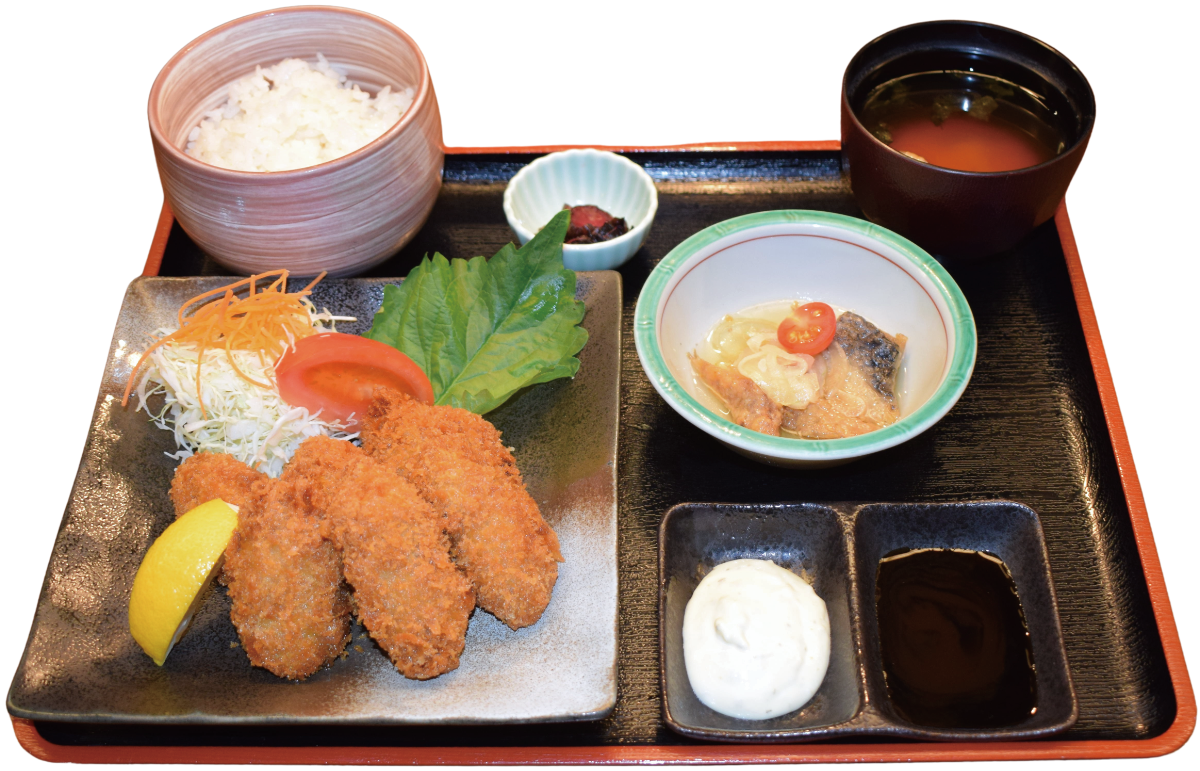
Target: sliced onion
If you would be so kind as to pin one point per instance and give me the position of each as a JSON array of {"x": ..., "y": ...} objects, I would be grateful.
[{"x": 783, "y": 376}]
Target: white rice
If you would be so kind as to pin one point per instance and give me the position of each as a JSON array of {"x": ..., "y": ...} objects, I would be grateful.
[{"x": 293, "y": 115}]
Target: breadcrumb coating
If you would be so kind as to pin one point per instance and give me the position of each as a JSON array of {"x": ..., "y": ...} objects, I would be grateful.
[
  {"x": 459, "y": 464},
  {"x": 206, "y": 476},
  {"x": 289, "y": 603},
  {"x": 409, "y": 595}
]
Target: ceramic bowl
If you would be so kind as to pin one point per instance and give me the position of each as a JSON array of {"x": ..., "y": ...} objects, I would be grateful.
[
  {"x": 806, "y": 255},
  {"x": 952, "y": 213},
  {"x": 343, "y": 216},
  {"x": 577, "y": 178}
]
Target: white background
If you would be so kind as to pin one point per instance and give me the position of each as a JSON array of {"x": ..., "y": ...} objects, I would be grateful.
[{"x": 81, "y": 196}]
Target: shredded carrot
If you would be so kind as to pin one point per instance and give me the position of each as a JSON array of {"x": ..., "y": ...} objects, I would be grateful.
[{"x": 267, "y": 321}]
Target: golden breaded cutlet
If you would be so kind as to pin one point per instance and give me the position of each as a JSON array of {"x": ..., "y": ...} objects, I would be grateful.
[
  {"x": 209, "y": 475},
  {"x": 411, "y": 598},
  {"x": 289, "y": 603},
  {"x": 458, "y": 463}
]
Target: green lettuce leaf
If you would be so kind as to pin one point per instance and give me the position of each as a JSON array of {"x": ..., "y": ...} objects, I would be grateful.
[{"x": 482, "y": 329}]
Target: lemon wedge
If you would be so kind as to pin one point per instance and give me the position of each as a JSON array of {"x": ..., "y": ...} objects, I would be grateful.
[{"x": 176, "y": 570}]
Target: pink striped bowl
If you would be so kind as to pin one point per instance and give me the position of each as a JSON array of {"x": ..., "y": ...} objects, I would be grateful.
[{"x": 343, "y": 216}]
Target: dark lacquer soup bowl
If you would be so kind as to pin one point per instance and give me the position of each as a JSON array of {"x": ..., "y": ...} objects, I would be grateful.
[{"x": 975, "y": 68}]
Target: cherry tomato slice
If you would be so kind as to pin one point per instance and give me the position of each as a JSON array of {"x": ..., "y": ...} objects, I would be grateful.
[
  {"x": 809, "y": 329},
  {"x": 336, "y": 373}
]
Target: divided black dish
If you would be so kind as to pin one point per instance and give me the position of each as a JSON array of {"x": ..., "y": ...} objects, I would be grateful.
[{"x": 839, "y": 546}]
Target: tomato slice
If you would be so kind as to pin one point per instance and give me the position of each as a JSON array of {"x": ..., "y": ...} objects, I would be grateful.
[
  {"x": 809, "y": 329},
  {"x": 336, "y": 373}
]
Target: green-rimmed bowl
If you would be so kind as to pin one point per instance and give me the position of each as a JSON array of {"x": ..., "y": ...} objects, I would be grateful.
[{"x": 806, "y": 255}]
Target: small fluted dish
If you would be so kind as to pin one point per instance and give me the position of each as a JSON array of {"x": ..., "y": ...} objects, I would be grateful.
[
  {"x": 584, "y": 178},
  {"x": 342, "y": 216},
  {"x": 804, "y": 256}
]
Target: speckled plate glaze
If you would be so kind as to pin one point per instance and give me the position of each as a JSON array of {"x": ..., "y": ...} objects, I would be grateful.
[
  {"x": 838, "y": 546},
  {"x": 82, "y": 665}
]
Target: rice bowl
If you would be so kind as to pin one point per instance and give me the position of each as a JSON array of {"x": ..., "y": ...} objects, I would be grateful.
[{"x": 342, "y": 216}]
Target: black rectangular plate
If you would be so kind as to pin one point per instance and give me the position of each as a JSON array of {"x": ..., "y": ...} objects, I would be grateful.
[
  {"x": 82, "y": 665},
  {"x": 1029, "y": 428}
]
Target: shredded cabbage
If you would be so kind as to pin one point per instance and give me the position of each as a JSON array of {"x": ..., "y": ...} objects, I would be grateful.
[{"x": 245, "y": 420}]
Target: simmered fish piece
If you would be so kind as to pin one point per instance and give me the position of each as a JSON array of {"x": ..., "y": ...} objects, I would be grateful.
[
  {"x": 872, "y": 352},
  {"x": 859, "y": 386},
  {"x": 748, "y": 405}
]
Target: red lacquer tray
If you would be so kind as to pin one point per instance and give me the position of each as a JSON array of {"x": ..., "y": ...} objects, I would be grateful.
[{"x": 770, "y": 175}]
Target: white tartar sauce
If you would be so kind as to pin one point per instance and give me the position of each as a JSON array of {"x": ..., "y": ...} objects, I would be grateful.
[{"x": 755, "y": 640}]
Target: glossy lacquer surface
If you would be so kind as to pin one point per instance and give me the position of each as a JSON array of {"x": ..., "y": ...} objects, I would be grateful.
[{"x": 1030, "y": 428}]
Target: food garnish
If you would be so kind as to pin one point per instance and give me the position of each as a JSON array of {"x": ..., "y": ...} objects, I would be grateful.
[
  {"x": 173, "y": 575},
  {"x": 216, "y": 372},
  {"x": 808, "y": 328},
  {"x": 264, "y": 321},
  {"x": 482, "y": 329},
  {"x": 335, "y": 374},
  {"x": 591, "y": 225}
]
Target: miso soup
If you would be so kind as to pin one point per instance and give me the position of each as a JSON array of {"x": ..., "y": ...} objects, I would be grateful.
[{"x": 964, "y": 120}]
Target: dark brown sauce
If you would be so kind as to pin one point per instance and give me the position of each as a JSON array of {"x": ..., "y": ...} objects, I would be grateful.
[{"x": 956, "y": 651}]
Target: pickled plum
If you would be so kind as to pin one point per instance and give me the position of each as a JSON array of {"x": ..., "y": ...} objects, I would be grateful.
[{"x": 591, "y": 224}]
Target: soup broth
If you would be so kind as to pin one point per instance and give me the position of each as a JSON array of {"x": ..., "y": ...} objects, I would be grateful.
[{"x": 964, "y": 120}]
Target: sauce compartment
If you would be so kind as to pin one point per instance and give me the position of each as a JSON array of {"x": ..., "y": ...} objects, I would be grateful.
[
  {"x": 808, "y": 539},
  {"x": 1004, "y": 529},
  {"x": 953, "y": 639},
  {"x": 839, "y": 546}
]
